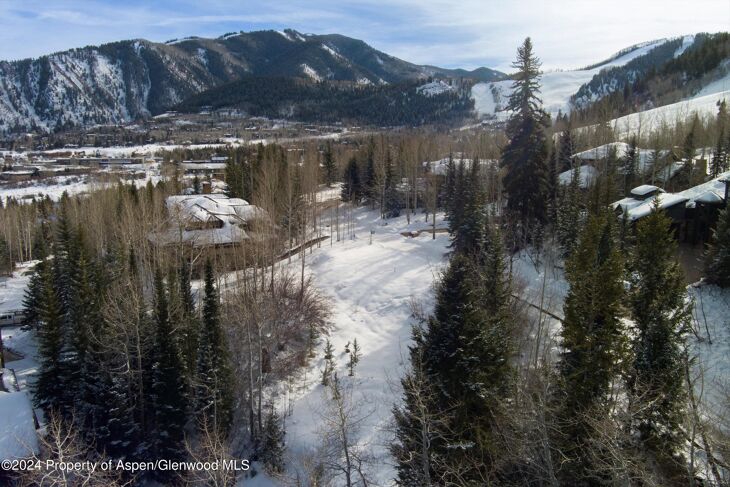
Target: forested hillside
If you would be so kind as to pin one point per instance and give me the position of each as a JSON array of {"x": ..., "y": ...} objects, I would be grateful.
[
  {"x": 299, "y": 99},
  {"x": 672, "y": 71}
]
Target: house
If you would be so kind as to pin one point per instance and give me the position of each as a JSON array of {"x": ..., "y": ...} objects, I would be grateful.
[
  {"x": 659, "y": 171},
  {"x": 693, "y": 211},
  {"x": 215, "y": 167},
  {"x": 210, "y": 221},
  {"x": 17, "y": 175}
]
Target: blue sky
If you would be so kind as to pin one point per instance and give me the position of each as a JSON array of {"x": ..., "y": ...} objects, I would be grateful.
[{"x": 448, "y": 33}]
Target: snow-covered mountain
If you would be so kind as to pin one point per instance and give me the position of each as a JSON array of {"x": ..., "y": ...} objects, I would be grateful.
[
  {"x": 122, "y": 81},
  {"x": 633, "y": 68}
]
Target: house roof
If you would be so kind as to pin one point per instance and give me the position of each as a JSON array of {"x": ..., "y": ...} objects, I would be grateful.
[
  {"x": 645, "y": 157},
  {"x": 231, "y": 213},
  {"x": 710, "y": 192},
  {"x": 440, "y": 167},
  {"x": 587, "y": 174}
]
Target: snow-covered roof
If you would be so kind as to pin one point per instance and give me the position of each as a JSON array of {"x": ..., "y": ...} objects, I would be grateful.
[
  {"x": 18, "y": 437},
  {"x": 710, "y": 192},
  {"x": 666, "y": 200},
  {"x": 709, "y": 197},
  {"x": 644, "y": 157},
  {"x": 441, "y": 166},
  {"x": 208, "y": 166},
  {"x": 644, "y": 190},
  {"x": 229, "y": 213},
  {"x": 587, "y": 175}
]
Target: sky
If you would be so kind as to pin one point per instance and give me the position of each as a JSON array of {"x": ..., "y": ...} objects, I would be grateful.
[{"x": 448, "y": 33}]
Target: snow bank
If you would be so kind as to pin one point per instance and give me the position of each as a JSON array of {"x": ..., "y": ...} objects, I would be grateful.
[{"x": 18, "y": 438}]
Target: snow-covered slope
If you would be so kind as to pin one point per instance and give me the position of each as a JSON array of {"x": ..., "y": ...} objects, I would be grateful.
[
  {"x": 649, "y": 120},
  {"x": 557, "y": 87}
]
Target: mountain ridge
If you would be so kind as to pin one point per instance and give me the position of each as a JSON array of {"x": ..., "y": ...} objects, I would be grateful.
[{"x": 121, "y": 81}]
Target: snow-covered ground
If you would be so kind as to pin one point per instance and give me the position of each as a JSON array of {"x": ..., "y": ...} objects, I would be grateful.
[
  {"x": 556, "y": 86},
  {"x": 371, "y": 287},
  {"x": 712, "y": 345},
  {"x": 13, "y": 287},
  {"x": 17, "y": 430},
  {"x": 83, "y": 183},
  {"x": 434, "y": 88}
]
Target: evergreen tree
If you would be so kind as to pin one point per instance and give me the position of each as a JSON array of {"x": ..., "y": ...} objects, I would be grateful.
[
  {"x": 630, "y": 166},
  {"x": 593, "y": 338},
  {"x": 34, "y": 295},
  {"x": 457, "y": 200},
  {"x": 329, "y": 363},
  {"x": 355, "y": 354},
  {"x": 466, "y": 350},
  {"x": 553, "y": 186},
  {"x": 51, "y": 379},
  {"x": 525, "y": 155},
  {"x": 214, "y": 399},
  {"x": 189, "y": 323},
  {"x": 717, "y": 266},
  {"x": 272, "y": 443},
  {"x": 328, "y": 165},
  {"x": 688, "y": 153},
  {"x": 659, "y": 309},
  {"x": 87, "y": 370},
  {"x": 351, "y": 189},
  {"x": 718, "y": 163},
  {"x": 566, "y": 150},
  {"x": 468, "y": 236},
  {"x": 168, "y": 386},
  {"x": 449, "y": 187},
  {"x": 370, "y": 180},
  {"x": 123, "y": 429},
  {"x": 391, "y": 205},
  {"x": 419, "y": 427},
  {"x": 569, "y": 212}
]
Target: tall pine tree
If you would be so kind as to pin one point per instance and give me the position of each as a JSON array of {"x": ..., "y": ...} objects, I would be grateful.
[
  {"x": 594, "y": 345},
  {"x": 168, "y": 385},
  {"x": 525, "y": 155},
  {"x": 214, "y": 382},
  {"x": 717, "y": 267},
  {"x": 661, "y": 313}
]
